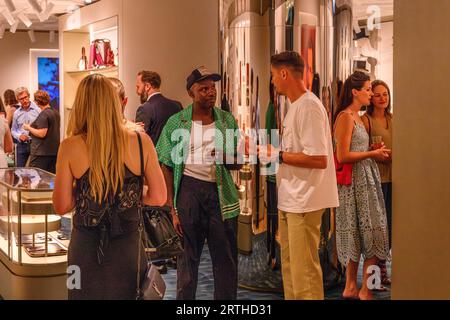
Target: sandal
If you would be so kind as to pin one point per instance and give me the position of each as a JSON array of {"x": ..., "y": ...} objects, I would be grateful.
[{"x": 381, "y": 289}]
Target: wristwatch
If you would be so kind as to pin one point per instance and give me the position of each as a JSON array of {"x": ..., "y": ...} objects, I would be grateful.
[{"x": 280, "y": 157}]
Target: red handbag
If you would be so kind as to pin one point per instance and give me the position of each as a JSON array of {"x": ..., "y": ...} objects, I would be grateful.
[
  {"x": 101, "y": 54},
  {"x": 343, "y": 172}
]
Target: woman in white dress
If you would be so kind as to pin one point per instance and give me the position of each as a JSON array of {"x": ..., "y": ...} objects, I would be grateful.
[{"x": 6, "y": 142}]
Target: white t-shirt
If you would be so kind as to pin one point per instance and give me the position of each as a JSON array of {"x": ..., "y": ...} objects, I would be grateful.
[
  {"x": 306, "y": 130},
  {"x": 199, "y": 163}
]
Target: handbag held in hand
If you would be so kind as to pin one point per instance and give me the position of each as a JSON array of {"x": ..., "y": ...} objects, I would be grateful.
[
  {"x": 152, "y": 286},
  {"x": 161, "y": 240}
]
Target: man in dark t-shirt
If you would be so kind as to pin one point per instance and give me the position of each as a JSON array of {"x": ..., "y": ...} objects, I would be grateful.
[{"x": 45, "y": 132}]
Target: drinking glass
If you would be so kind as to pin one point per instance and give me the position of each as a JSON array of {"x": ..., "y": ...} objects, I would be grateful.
[{"x": 377, "y": 142}]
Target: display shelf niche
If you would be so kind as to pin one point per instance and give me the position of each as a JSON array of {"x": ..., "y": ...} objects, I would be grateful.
[{"x": 72, "y": 43}]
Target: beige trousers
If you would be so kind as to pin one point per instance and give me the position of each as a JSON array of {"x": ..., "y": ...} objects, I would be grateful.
[{"x": 300, "y": 236}]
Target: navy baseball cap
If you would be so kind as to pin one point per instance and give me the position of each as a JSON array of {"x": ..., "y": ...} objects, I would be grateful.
[{"x": 200, "y": 74}]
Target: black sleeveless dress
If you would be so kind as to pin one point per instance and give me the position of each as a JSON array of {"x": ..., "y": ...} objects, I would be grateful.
[{"x": 104, "y": 242}]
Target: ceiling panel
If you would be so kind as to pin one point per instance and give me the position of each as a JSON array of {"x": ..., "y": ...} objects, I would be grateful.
[{"x": 25, "y": 7}]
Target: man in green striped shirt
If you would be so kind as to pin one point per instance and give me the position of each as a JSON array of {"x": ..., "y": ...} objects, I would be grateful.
[{"x": 197, "y": 149}]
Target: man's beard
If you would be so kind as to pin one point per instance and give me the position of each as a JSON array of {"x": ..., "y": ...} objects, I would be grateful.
[{"x": 144, "y": 97}]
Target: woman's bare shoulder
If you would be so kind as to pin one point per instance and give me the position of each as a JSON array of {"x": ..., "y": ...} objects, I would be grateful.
[
  {"x": 146, "y": 141},
  {"x": 73, "y": 148},
  {"x": 72, "y": 142},
  {"x": 74, "y": 151},
  {"x": 345, "y": 119}
]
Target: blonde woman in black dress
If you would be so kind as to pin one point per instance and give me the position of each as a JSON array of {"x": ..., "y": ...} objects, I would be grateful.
[{"x": 102, "y": 158}]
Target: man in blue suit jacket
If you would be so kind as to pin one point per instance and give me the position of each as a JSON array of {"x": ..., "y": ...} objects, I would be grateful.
[{"x": 155, "y": 109}]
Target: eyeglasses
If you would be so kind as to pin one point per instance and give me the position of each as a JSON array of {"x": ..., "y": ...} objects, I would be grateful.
[{"x": 23, "y": 98}]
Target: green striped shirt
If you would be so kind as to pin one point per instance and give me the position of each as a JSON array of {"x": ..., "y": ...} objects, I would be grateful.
[{"x": 173, "y": 150}]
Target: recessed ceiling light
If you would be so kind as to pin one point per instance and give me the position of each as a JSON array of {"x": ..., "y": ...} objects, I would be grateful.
[
  {"x": 32, "y": 36},
  {"x": 52, "y": 36}
]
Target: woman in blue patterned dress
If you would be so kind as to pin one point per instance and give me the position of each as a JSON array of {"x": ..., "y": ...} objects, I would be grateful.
[{"x": 361, "y": 223}]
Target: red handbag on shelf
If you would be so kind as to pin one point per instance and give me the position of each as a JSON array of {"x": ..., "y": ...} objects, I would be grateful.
[
  {"x": 343, "y": 172},
  {"x": 101, "y": 54}
]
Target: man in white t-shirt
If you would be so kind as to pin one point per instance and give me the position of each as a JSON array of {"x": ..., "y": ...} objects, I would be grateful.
[{"x": 306, "y": 179}]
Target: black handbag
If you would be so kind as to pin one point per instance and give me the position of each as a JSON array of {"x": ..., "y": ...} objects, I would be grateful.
[
  {"x": 161, "y": 241},
  {"x": 152, "y": 286}
]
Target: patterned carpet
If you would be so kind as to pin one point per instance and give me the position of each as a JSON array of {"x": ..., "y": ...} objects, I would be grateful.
[{"x": 254, "y": 272}]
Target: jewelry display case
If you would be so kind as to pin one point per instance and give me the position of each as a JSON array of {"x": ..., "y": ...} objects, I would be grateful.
[{"x": 33, "y": 252}]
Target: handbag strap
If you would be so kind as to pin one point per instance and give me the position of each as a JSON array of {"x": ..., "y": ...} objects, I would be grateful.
[
  {"x": 141, "y": 225},
  {"x": 335, "y": 125},
  {"x": 370, "y": 128},
  {"x": 370, "y": 124},
  {"x": 141, "y": 155}
]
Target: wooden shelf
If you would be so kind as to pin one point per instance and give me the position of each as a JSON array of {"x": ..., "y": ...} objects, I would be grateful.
[{"x": 93, "y": 71}]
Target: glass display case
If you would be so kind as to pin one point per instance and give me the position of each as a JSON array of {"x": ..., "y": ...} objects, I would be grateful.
[{"x": 32, "y": 248}]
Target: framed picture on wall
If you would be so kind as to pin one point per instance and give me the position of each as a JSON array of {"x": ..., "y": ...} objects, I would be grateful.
[{"x": 44, "y": 74}]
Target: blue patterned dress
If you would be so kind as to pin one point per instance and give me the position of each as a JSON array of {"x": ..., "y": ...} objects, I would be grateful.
[{"x": 361, "y": 223}]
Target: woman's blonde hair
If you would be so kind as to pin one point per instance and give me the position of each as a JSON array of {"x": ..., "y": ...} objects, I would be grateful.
[{"x": 97, "y": 116}]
